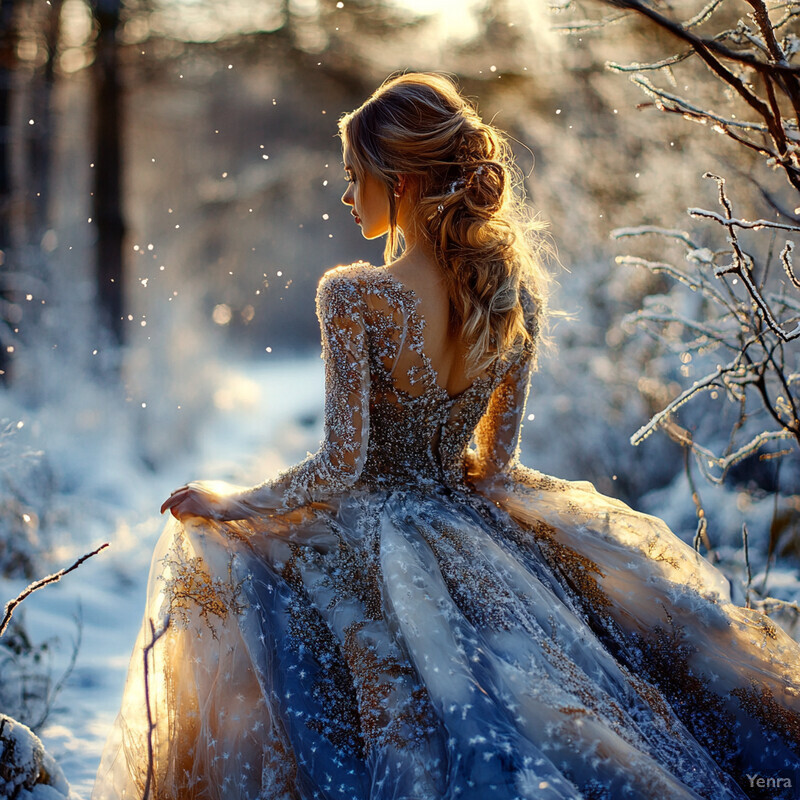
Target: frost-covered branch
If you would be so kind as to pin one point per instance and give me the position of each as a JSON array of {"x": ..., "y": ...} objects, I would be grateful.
[
  {"x": 754, "y": 324},
  {"x": 703, "y": 15},
  {"x": 643, "y": 230},
  {"x": 704, "y": 46},
  {"x": 653, "y": 66},
  {"x": 695, "y": 282},
  {"x": 30, "y": 589},
  {"x": 585, "y": 25},
  {"x": 685, "y": 107},
  {"x": 732, "y": 222},
  {"x": 724, "y": 463},
  {"x": 749, "y": 60},
  {"x": 704, "y": 384}
]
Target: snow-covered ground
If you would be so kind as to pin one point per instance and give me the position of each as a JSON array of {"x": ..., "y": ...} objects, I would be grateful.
[{"x": 266, "y": 416}]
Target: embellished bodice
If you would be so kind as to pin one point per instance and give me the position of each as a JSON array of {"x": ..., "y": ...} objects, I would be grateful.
[
  {"x": 418, "y": 433},
  {"x": 388, "y": 421}
]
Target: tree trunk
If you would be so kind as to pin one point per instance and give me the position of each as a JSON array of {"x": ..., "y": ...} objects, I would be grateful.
[
  {"x": 107, "y": 215},
  {"x": 42, "y": 135},
  {"x": 8, "y": 55}
]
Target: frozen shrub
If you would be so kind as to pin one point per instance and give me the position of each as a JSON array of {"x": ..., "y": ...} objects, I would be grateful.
[{"x": 27, "y": 771}]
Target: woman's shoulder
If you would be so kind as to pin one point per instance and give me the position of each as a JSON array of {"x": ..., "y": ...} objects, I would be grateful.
[
  {"x": 344, "y": 286},
  {"x": 349, "y": 273}
]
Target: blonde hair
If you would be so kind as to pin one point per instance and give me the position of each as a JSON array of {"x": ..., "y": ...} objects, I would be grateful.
[{"x": 469, "y": 207}]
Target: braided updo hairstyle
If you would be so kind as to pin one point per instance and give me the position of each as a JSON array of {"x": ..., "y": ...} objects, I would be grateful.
[{"x": 417, "y": 125}]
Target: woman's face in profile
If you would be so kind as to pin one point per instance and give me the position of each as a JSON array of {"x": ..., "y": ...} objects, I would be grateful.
[{"x": 367, "y": 198}]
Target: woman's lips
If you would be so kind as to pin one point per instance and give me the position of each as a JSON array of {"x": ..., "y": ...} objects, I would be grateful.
[{"x": 356, "y": 218}]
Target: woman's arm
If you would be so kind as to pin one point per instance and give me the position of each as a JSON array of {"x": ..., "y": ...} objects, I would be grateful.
[
  {"x": 497, "y": 434},
  {"x": 341, "y": 456}
]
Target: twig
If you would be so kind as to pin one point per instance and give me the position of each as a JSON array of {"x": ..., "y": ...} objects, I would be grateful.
[
  {"x": 685, "y": 107},
  {"x": 745, "y": 539},
  {"x": 642, "y": 230},
  {"x": 54, "y": 578},
  {"x": 151, "y": 725},
  {"x": 732, "y": 222},
  {"x": 704, "y": 384},
  {"x": 698, "y": 284},
  {"x": 704, "y": 14},
  {"x": 788, "y": 267},
  {"x": 588, "y": 24},
  {"x": 653, "y": 66},
  {"x": 701, "y": 534}
]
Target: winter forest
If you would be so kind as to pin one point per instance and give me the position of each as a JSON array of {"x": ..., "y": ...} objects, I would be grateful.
[{"x": 170, "y": 182}]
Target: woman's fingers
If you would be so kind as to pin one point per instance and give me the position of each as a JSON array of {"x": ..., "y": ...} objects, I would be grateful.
[
  {"x": 175, "y": 499},
  {"x": 190, "y": 501}
]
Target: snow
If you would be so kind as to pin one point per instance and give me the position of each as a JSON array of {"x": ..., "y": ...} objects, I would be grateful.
[
  {"x": 116, "y": 498},
  {"x": 29, "y": 773}
]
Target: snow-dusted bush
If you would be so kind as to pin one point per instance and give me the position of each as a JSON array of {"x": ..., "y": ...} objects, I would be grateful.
[
  {"x": 724, "y": 305},
  {"x": 24, "y": 483},
  {"x": 27, "y": 688},
  {"x": 27, "y": 772},
  {"x": 740, "y": 332}
]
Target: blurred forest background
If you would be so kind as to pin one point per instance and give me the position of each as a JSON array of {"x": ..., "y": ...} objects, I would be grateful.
[{"x": 170, "y": 183}]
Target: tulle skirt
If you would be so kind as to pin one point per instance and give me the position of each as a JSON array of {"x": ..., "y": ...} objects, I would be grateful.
[{"x": 534, "y": 640}]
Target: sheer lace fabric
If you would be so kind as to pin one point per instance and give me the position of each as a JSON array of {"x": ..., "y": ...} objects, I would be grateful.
[{"x": 410, "y": 613}]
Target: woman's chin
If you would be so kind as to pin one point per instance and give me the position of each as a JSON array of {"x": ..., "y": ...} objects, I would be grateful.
[{"x": 374, "y": 233}]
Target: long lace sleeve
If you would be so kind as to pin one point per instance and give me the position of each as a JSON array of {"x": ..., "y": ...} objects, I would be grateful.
[
  {"x": 497, "y": 434},
  {"x": 343, "y": 451}
]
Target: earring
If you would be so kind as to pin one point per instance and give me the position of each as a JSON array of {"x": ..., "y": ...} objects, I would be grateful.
[{"x": 397, "y": 194}]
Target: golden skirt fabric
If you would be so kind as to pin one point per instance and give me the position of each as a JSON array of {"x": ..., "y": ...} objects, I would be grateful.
[{"x": 533, "y": 639}]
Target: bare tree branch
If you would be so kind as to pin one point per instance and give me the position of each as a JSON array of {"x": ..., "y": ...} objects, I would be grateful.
[
  {"x": 703, "y": 15},
  {"x": 29, "y": 590},
  {"x": 768, "y": 60},
  {"x": 701, "y": 45},
  {"x": 151, "y": 725}
]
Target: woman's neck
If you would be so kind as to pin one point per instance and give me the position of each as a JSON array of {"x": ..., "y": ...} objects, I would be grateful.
[
  {"x": 417, "y": 253},
  {"x": 418, "y": 250}
]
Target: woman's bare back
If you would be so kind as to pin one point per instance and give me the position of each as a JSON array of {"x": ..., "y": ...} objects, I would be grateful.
[{"x": 446, "y": 352}]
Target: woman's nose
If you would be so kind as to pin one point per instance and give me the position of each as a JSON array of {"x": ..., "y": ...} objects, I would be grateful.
[{"x": 347, "y": 197}]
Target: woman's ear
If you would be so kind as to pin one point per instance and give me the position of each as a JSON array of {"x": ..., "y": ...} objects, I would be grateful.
[{"x": 403, "y": 185}]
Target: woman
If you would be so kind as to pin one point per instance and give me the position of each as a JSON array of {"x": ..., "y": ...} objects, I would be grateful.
[{"x": 409, "y": 615}]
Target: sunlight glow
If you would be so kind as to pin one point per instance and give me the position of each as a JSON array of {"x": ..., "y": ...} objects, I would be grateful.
[{"x": 448, "y": 21}]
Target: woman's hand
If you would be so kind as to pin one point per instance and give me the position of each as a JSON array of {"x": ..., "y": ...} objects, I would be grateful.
[
  {"x": 221, "y": 501},
  {"x": 209, "y": 499}
]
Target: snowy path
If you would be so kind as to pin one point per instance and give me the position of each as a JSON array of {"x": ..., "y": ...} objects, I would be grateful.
[{"x": 258, "y": 414}]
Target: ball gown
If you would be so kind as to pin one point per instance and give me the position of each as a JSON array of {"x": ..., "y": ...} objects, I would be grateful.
[{"x": 411, "y": 614}]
